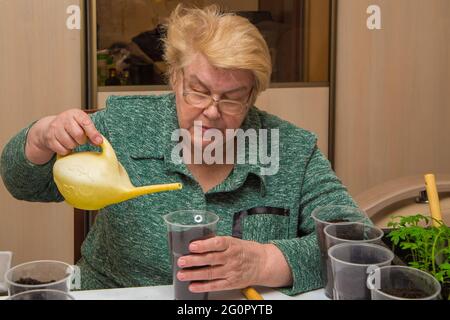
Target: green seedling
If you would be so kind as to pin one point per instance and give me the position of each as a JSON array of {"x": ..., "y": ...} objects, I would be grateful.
[{"x": 429, "y": 245}]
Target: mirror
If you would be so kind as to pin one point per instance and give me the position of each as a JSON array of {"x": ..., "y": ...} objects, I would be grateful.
[{"x": 129, "y": 31}]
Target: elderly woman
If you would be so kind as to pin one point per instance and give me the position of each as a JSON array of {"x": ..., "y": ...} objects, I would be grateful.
[{"x": 218, "y": 65}]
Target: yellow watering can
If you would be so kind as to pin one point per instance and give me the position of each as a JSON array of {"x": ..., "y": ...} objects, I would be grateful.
[{"x": 92, "y": 180}]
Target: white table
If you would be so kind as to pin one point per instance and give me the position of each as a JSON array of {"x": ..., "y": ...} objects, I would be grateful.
[{"x": 166, "y": 293}]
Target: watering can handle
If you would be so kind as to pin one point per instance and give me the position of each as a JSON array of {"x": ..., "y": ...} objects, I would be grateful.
[{"x": 107, "y": 151}]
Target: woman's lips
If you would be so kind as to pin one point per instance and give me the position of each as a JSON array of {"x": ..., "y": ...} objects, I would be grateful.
[{"x": 204, "y": 129}]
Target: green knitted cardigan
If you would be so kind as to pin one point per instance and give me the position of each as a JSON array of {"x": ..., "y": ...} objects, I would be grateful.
[{"x": 128, "y": 247}]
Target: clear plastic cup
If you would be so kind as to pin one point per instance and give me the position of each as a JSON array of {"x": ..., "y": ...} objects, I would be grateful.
[
  {"x": 332, "y": 214},
  {"x": 183, "y": 228},
  {"x": 351, "y": 232},
  {"x": 39, "y": 275},
  {"x": 351, "y": 263},
  {"x": 42, "y": 295},
  {"x": 402, "y": 283}
]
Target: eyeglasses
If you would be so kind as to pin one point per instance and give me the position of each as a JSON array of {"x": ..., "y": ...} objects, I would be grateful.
[{"x": 225, "y": 106}]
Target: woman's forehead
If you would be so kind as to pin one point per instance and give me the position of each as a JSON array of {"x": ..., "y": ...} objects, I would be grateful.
[
  {"x": 225, "y": 86},
  {"x": 201, "y": 72}
]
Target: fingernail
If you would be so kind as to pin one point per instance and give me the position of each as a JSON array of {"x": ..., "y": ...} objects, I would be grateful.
[
  {"x": 181, "y": 262},
  {"x": 180, "y": 276},
  {"x": 193, "y": 246},
  {"x": 98, "y": 140},
  {"x": 192, "y": 289}
]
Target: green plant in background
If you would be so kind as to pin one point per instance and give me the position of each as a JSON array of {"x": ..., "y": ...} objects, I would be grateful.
[{"x": 429, "y": 246}]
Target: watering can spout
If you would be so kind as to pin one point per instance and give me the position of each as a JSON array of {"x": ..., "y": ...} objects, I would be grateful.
[{"x": 141, "y": 191}]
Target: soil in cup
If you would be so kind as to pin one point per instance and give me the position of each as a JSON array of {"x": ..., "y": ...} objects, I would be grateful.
[
  {"x": 407, "y": 293},
  {"x": 322, "y": 241},
  {"x": 407, "y": 289},
  {"x": 179, "y": 245},
  {"x": 32, "y": 282},
  {"x": 17, "y": 287}
]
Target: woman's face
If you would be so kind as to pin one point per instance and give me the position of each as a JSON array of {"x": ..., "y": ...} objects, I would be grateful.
[{"x": 200, "y": 76}]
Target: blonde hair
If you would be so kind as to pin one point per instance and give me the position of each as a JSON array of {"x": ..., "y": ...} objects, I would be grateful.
[{"x": 225, "y": 39}]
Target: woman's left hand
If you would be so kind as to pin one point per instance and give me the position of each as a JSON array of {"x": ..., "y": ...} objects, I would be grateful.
[{"x": 226, "y": 263}]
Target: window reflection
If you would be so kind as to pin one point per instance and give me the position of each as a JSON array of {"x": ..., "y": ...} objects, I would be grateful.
[{"x": 129, "y": 51}]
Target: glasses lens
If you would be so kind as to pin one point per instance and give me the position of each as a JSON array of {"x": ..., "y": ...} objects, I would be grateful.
[
  {"x": 231, "y": 107},
  {"x": 197, "y": 100}
]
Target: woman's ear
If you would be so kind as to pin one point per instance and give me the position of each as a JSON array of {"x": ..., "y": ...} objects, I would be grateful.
[
  {"x": 175, "y": 79},
  {"x": 252, "y": 99}
]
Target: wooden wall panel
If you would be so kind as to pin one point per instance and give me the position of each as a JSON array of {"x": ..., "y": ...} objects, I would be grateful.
[
  {"x": 317, "y": 41},
  {"x": 393, "y": 97},
  {"x": 40, "y": 63}
]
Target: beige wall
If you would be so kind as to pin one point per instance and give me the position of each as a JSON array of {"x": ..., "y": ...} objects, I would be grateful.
[
  {"x": 304, "y": 107},
  {"x": 393, "y": 97},
  {"x": 40, "y": 75}
]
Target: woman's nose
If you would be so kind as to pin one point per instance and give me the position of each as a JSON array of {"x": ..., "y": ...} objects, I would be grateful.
[{"x": 212, "y": 112}]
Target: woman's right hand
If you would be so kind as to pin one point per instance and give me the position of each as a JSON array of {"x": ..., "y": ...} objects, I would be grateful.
[{"x": 60, "y": 134}]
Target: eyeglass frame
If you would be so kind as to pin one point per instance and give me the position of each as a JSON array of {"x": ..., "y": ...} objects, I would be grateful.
[{"x": 245, "y": 105}]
